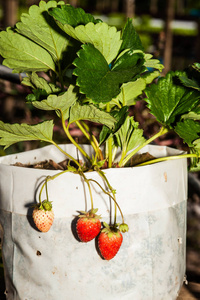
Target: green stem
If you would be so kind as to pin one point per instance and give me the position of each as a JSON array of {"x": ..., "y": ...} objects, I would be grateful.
[
  {"x": 66, "y": 129},
  {"x": 112, "y": 191},
  {"x": 91, "y": 140},
  {"x": 115, "y": 215},
  {"x": 122, "y": 156},
  {"x": 101, "y": 173},
  {"x": 156, "y": 160},
  {"x": 65, "y": 153},
  {"x": 47, "y": 195},
  {"x": 83, "y": 130},
  {"x": 112, "y": 197},
  {"x": 114, "y": 152},
  {"x": 110, "y": 153},
  {"x": 95, "y": 141},
  {"x": 162, "y": 131},
  {"x": 90, "y": 191},
  {"x": 45, "y": 183},
  {"x": 109, "y": 143},
  {"x": 99, "y": 150}
]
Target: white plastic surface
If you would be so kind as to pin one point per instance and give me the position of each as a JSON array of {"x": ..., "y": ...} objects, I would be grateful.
[{"x": 150, "y": 265}]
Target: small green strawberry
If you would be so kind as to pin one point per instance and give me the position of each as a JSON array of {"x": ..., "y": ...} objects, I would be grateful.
[
  {"x": 43, "y": 216},
  {"x": 109, "y": 241},
  {"x": 88, "y": 225}
]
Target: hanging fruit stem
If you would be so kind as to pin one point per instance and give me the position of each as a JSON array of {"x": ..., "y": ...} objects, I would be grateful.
[
  {"x": 44, "y": 185},
  {"x": 51, "y": 178},
  {"x": 111, "y": 196},
  {"x": 101, "y": 173},
  {"x": 89, "y": 188},
  {"x": 47, "y": 195}
]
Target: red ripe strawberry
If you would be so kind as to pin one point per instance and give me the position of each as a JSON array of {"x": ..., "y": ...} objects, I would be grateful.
[
  {"x": 88, "y": 225},
  {"x": 43, "y": 216},
  {"x": 109, "y": 241}
]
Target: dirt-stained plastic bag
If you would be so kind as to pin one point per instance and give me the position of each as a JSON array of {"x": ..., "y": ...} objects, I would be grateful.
[{"x": 150, "y": 264}]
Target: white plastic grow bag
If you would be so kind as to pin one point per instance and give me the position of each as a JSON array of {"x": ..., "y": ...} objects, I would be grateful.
[{"x": 150, "y": 264}]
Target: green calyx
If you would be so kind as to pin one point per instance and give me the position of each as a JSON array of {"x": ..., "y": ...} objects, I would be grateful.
[
  {"x": 111, "y": 230},
  {"x": 91, "y": 214},
  {"x": 114, "y": 229},
  {"x": 45, "y": 205}
]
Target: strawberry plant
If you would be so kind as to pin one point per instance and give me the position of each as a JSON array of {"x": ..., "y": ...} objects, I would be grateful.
[{"x": 87, "y": 71}]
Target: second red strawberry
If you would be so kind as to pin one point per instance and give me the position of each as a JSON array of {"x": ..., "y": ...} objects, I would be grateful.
[{"x": 88, "y": 225}]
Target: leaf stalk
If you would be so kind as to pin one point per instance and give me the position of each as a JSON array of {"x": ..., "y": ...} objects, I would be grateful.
[
  {"x": 66, "y": 129},
  {"x": 174, "y": 157},
  {"x": 162, "y": 131}
]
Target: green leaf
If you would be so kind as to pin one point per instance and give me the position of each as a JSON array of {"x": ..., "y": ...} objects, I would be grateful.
[
  {"x": 196, "y": 66},
  {"x": 104, "y": 134},
  {"x": 192, "y": 115},
  {"x": 129, "y": 136},
  {"x": 23, "y": 55},
  {"x": 41, "y": 28},
  {"x": 130, "y": 37},
  {"x": 131, "y": 90},
  {"x": 131, "y": 63},
  {"x": 195, "y": 161},
  {"x": 150, "y": 76},
  {"x": 191, "y": 83},
  {"x": 196, "y": 144},
  {"x": 60, "y": 103},
  {"x": 100, "y": 163},
  {"x": 97, "y": 80},
  {"x": 90, "y": 113},
  {"x": 68, "y": 14},
  {"x": 37, "y": 95},
  {"x": 168, "y": 100},
  {"x": 103, "y": 37},
  {"x": 120, "y": 116},
  {"x": 152, "y": 63},
  {"x": 188, "y": 130},
  {"x": 37, "y": 82},
  {"x": 14, "y": 133},
  {"x": 191, "y": 77},
  {"x": 194, "y": 166}
]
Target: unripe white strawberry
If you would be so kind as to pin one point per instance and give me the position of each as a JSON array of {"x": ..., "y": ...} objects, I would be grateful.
[{"x": 43, "y": 216}]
